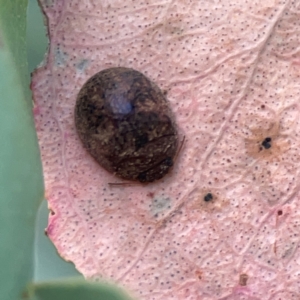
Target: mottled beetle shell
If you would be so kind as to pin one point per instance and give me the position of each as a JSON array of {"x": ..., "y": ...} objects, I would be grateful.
[{"x": 125, "y": 123}]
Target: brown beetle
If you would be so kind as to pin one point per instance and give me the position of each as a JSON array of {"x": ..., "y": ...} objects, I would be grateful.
[{"x": 125, "y": 123}]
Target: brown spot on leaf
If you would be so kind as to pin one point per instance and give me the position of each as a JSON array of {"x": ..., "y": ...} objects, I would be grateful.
[
  {"x": 243, "y": 279},
  {"x": 150, "y": 194},
  {"x": 199, "y": 274},
  {"x": 208, "y": 200},
  {"x": 265, "y": 141}
]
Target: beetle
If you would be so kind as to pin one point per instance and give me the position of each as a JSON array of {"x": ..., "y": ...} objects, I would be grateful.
[{"x": 125, "y": 122}]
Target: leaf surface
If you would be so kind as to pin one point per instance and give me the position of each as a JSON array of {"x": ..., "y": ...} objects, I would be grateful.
[{"x": 231, "y": 72}]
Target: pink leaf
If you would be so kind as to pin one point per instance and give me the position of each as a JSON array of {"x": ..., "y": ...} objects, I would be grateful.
[{"x": 231, "y": 72}]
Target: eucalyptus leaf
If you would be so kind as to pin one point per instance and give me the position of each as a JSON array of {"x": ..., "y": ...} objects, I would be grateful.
[
  {"x": 21, "y": 184},
  {"x": 75, "y": 289}
]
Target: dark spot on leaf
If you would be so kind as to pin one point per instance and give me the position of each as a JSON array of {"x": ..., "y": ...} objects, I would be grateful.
[
  {"x": 208, "y": 197},
  {"x": 267, "y": 143}
]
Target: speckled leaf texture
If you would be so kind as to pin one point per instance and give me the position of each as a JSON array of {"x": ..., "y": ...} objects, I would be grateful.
[{"x": 231, "y": 69}]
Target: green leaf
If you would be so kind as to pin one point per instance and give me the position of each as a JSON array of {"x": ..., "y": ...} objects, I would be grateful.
[
  {"x": 37, "y": 41},
  {"x": 48, "y": 264},
  {"x": 21, "y": 185},
  {"x": 74, "y": 290}
]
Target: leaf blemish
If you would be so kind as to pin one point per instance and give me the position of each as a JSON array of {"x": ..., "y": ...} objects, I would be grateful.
[
  {"x": 208, "y": 201},
  {"x": 82, "y": 65},
  {"x": 266, "y": 141},
  {"x": 208, "y": 197},
  {"x": 60, "y": 57},
  {"x": 160, "y": 205},
  {"x": 243, "y": 279}
]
